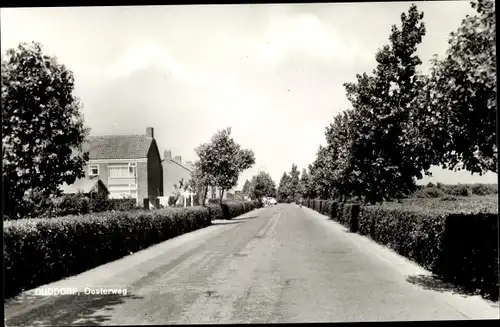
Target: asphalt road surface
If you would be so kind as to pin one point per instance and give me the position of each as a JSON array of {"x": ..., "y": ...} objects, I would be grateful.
[{"x": 272, "y": 265}]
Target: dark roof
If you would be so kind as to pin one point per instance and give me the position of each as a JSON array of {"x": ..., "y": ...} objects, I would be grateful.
[
  {"x": 83, "y": 185},
  {"x": 118, "y": 146}
]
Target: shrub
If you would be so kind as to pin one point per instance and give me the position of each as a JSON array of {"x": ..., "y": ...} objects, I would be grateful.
[
  {"x": 74, "y": 204},
  {"x": 484, "y": 189},
  {"x": 462, "y": 248},
  {"x": 123, "y": 204},
  {"x": 469, "y": 254},
  {"x": 429, "y": 192},
  {"x": 458, "y": 190},
  {"x": 459, "y": 247},
  {"x": 40, "y": 251},
  {"x": 100, "y": 204}
]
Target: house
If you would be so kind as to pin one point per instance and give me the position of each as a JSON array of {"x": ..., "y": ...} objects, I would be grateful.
[
  {"x": 128, "y": 165},
  {"x": 91, "y": 187},
  {"x": 173, "y": 171}
]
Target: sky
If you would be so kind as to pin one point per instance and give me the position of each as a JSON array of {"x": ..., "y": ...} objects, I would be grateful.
[{"x": 273, "y": 73}]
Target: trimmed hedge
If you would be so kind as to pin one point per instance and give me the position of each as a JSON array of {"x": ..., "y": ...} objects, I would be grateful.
[
  {"x": 78, "y": 204},
  {"x": 233, "y": 209},
  {"x": 458, "y": 247},
  {"x": 39, "y": 251}
]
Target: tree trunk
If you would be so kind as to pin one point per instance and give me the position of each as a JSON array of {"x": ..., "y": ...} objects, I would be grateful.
[
  {"x": 205, "y": 191},
  {"x": 221, "y": 195}
]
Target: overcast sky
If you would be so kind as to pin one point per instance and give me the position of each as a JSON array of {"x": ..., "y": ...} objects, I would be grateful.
[{"x": 274, "y": 73}]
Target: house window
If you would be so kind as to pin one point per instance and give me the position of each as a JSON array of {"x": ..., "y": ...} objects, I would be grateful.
[
  {"x": 123, "y": 170},
  {"x": 93, "y": 170}
]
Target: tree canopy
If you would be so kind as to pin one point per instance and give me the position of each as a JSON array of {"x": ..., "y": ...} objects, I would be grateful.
[
  {"x": 263, "y": 185},
  {"x": 222, "y": 160},
  {"x": 43, "y": 128},
  {"x": 459, "y": 102},
  {"x": 402, "y": 122}
]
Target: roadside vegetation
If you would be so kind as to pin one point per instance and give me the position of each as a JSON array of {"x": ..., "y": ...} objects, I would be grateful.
[
  {"x": 401, "y": 123},
  {"x": 49, "y": 235}
]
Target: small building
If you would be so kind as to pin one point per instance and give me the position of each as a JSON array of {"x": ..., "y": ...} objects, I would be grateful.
[
  {"x": 90, "y": 187},
  {"x": 174, "y": 170},
  {"x": 128, "y": 165}
]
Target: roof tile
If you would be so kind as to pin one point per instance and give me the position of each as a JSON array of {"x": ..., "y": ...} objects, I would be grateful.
[{"x": 118, "y": 146}]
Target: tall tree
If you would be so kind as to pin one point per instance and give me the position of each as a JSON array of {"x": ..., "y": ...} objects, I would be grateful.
[
  {"x": 386, "y": 158},
  {"x": 42, "y": 126},
  {"x": 460, "y": 100},
  {"x": 263, "y": 186},
  {"x": 304, "y": 184},
  {"x": 321, "y": 185},
  {"x": 294, "y": 183},
  {"x": 247, "y": 188},
  {"x": 222, "y": 160},
  {"x": 338, "y": 166},
  {"x": 284, "y": 188}
]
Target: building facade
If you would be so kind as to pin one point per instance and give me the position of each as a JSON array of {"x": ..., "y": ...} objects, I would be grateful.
[
  {"x": 174, "y": 170},
  {"x": 129, "y": 165}
]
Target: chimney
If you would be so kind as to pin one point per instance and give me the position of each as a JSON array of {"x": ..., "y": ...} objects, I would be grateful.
[
  {"x": 178, "y": 158},
  {"x": 150, "y": 132},
  {"x": 189, "y": 163},
  {"x": 167, "y": 154}
]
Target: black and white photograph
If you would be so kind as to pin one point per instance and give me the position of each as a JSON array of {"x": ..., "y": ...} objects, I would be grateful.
[{"x": 250, "y": 163}]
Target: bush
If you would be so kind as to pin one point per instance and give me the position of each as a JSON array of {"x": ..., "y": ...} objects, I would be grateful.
[
  {"x": 469, "y": 254},
  {"x": 429, "y": 192},
  {"x": 100, "y": 204},
  {"x": 484, "y": 189},
  {"x": 40, "y": 251},
  {"x": 462, "y": 248},
  {"x": 458, "y": 190},
  {"x": 123, "y": 204},
  {"x": 459, "y": 247}
]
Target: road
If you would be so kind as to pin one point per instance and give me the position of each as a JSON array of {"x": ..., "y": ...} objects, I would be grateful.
[{"x": 278, "y": 264}]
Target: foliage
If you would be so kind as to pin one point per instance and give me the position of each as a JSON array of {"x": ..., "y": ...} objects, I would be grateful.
[
  {"x": 305, "y": 185},
  {"x": 289, "y": 188},
  {"x": 262, "y": 186},
  {"x": 386, "y": 151},
  {"x": 124, "y": 204},
  {"x": 462, "y": 204},
  {"x": 74, "y": 204},
  {"x": 99, "y": 204},
  {"x": 247, "y": 188},
  {"x": 294, "y": 186},
  {"x": 484, "y": 189},
  {"x": 42, "y": 126},
  {"x": 460, "y": 247},
  {"x": 199, "y": 183},
  {"x": 429, "y": 192},
  {"x": 40, "y": 251},
  {"x": 441, "y": 190},
  {"x": 459, "y": 102},
  {"x": 282, "y": 192},
  {"x": 222, "y": 160},
  {"x": 333, "y": 170},
  {"x": 179, "y": 188}
]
